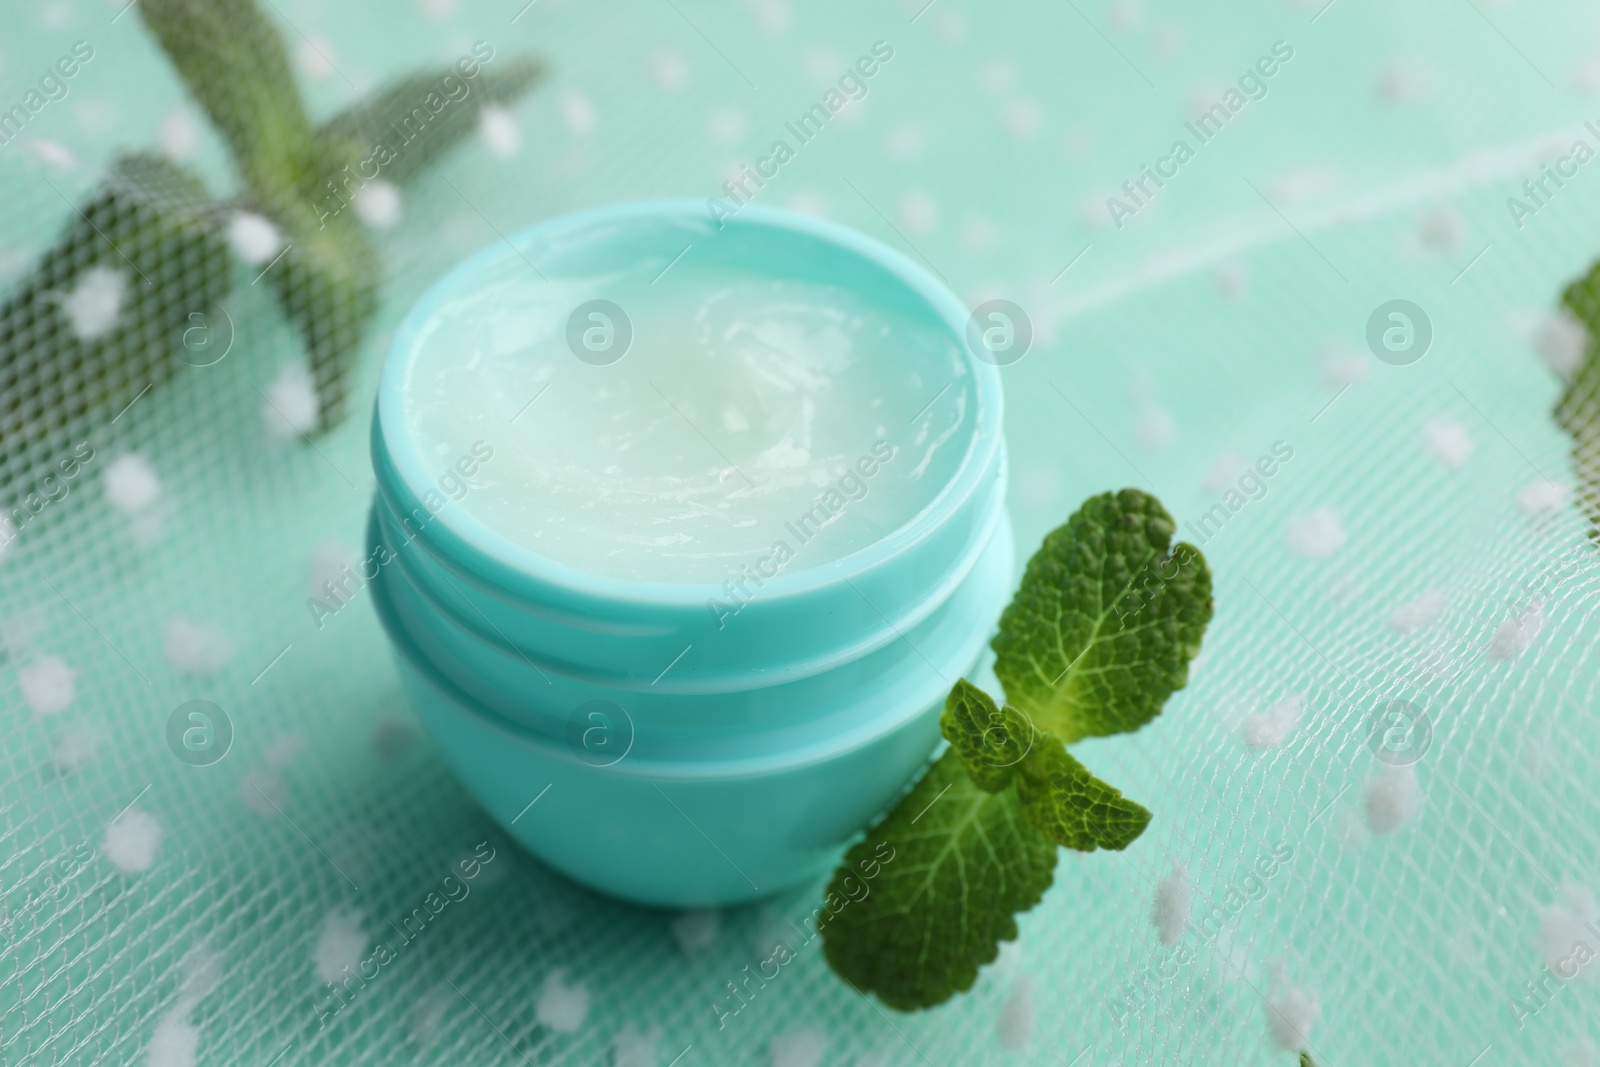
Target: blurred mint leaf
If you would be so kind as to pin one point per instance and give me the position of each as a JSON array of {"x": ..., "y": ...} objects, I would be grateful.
[
  {"x": 1578, "y": 410},
  {"x": 390, "y": 118},
  {"x": 964, "y": 863},
  {"x": 1072, "y": 807},
  {"x": 989, "y": 740},
  {"x": 327, "y": 283},
  {"x": 237, "y": 69},
  {"x": 106, "y": 309},
  {"x": 1108, "y": 616}
]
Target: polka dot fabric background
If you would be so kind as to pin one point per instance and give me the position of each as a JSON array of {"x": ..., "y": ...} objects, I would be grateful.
[{"x": 1418, "y": 549}]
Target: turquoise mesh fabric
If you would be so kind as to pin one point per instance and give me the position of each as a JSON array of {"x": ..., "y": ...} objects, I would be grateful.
[{"x": 169, "y": 914}]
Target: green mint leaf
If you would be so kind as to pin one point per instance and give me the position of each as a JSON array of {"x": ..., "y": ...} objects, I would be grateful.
[
  {"x": 1072, "y": 807},
  {"x": 1105, "y": 623},
  {"x": 151, "y": 236},
  {"x": 1306, "y": 1060},
  {"x": 990, "y": 740},
  {"x": 963, "y": 863},
  {"x": 402, "y": 120},
  {"x": 1578, "y": 411},
  {"x": 237, "y": 69}
]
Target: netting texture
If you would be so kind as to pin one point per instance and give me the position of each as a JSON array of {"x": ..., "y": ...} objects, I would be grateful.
[{"x": 1421, "y": 563}]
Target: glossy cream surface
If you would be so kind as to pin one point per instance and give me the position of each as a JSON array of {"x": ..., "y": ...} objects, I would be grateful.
[{"x": 754, "y": 424}]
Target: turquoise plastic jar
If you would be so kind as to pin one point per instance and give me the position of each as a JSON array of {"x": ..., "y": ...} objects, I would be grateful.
[{"x": 671, "y": 757}]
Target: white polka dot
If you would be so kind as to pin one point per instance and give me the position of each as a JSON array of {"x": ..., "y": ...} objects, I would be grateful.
[
  {"x": 1022, "y": 118},
  {"x": 727, "y": 124},
  {"x": 291, "y": 407},
  {"x": 1225, "y": 472},
  {"x": 341, "y": 944},
  {"x": 1439, "y": 231},
  {"x": 1516, "y": 634},
  {"x": 1402, "y": 82},
  {"x": 48, "y": 685},
  {"x": 773, "y": 16},
  {"x": 1392, "y": 798},
  {"x": 95, "y": 301},
  {"x": 195, "y": 648},
  {"x": 53, "y": 152},
  {"x": 179, "y": 135},
  {"x": 1541, "y": 496},
  {"x": 377, "y": 204},
  {"x": 1316, "y": 534},
  {"x": 1172, "y": 904},
  {"x": 1153, "y": 428},
  {"x": 1290, "y": 1015},
  {"x": 263, "y": 793},
  {"x": 1272, "y": 727},
  {"x": 75, "y": 749},
  {"x": 1586, "y": 74},
  {"x": 131, "y": 484},
  {"x": 1126, "y": 15},
  {"x": 1447, "y": 441},
  {"x": 315, "y": 57},
  {"x": 797, "y": 1048},
  {"x": 1561, "y": 339},
  {"x": 132, "y": 840},
  {"x": 696, "y": 931},
  {"x": 175, "y": 1043},
  {"x": 1340, "y": 369},
  {"x": 634, "y": 1048},
  {"x": 950, "y": 27},
  {"x": 918, "y": 212},
  {"x": 253, "y": 238},
  {"x": 1017, "y": 1016},
  {"x": 668, "y": 70},
  {"x": 561, "y": 1007},
  {"x": 1419, "y": 613},
  {"x": 1230, "y": 280},
  {"x": 1565, "y": 923},
  {"x": 576, "y": 111},
  {"x": 498, "y": 128}
]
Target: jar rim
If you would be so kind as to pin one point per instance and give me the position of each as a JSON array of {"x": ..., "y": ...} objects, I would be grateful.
[{"x": 401, "y": 471}]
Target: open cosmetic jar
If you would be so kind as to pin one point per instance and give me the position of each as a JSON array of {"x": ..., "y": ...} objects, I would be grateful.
[{"x": 685, "y": 527}]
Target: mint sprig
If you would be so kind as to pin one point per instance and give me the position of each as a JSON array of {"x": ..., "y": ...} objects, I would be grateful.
[
  {"x": 154, "y": 222},
  {"x": 1578, "y": 410},
  {"x": 1096, "y": 639}
]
